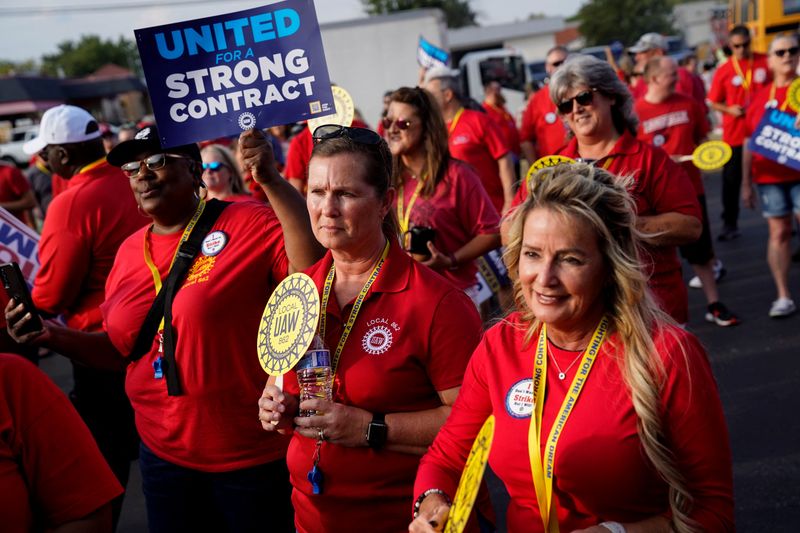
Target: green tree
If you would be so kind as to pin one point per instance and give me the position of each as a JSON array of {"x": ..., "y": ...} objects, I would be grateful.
[
  {"x": 457, "y": 13},
  {"x": 605, "y": 21},
  {"x": 18, "y": 67},
  {"x": 90, "y": 53}
]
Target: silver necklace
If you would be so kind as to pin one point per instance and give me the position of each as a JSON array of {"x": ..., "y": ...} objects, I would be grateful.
[{"x": 562, "y": 374}]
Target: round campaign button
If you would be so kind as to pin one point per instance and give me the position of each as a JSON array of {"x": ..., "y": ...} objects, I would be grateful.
[
  {"x": 760, "y": 75},
  {"x": 658, "y": 140},
  {"x": 345, "y": 111},
  {"x": 793, "y": 95},
  {"x": 711, "y": 155},
  {"x": 471, "y": 479},
  {"x": 288, "y": 324},
  {"x": 214, "y": 243},
  {"x": 546, "y": 162},
  {"x": 736, "y": 81},
  {"x": 519, "y": 399},
  {"x": 550, "y": 118}
]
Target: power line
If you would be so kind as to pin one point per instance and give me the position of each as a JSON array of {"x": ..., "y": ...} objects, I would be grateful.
[{"x": 119, "y": 6}]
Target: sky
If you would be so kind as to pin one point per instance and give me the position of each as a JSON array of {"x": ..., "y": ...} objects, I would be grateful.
[{"x": 32, "y": 28}]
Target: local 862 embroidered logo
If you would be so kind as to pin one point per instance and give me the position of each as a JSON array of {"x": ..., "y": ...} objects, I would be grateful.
[{"x": 378, "y": 338}]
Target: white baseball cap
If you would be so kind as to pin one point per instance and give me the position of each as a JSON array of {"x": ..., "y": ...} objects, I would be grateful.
[
  {"x": 649, "y": 41},
  {"x": 63, "y": 124}
]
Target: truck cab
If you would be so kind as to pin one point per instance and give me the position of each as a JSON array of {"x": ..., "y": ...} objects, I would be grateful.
[{"x": 502, "y": 65}]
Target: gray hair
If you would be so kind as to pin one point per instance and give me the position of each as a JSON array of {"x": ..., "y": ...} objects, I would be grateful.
[
  {"x": 452, "y": 83},
  {"x": 792, "y": 36},
  {"x": 588, "y": 71}
]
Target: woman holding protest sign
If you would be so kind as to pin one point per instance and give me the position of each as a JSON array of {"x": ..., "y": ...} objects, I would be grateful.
[
  {"x": 436, "y": 193},
  {"x": 193, "y": 369},
  {"x": 589, "y": 381},
  {"x": 400, "y": 337},
  {"x": 778, "y": 184}
]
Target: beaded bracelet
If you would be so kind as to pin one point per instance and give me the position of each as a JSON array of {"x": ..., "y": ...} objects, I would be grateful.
[{"x": 427, "y": 493}]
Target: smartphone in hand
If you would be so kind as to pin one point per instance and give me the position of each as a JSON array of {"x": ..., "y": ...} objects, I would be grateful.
[{"x": 16, "y": 288}]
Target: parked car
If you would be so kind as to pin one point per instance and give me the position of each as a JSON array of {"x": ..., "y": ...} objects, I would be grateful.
[{"x": 12, "y": 152}]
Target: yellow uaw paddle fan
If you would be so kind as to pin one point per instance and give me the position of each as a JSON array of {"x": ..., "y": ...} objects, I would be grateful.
[
  {"x": 288, "y": 324},
  {"x": 793, "y": 95},
  {"x": 545, "y": 162},
  {"x": 711, "y": 155},
  {"x": 470, "y": 479},
  {"x": 345, "y": 111}
]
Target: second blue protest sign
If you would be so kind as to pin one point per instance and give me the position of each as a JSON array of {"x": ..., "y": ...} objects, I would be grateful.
[
  {"x": 777, "y": 139},
  {"x": 218, "y": 76}
]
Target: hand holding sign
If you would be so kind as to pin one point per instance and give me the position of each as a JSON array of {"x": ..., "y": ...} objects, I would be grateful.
[{"x": 257, "y": 157}]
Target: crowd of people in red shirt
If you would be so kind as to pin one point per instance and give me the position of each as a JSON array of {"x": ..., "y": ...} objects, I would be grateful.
[{"x": 404, "y": 228}]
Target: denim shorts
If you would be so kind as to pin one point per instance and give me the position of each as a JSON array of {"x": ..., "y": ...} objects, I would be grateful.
[{"x": 779, "y": 199}]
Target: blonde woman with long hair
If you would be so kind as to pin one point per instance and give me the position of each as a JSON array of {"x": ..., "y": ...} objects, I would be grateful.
[{"x": 607, "y": 414}]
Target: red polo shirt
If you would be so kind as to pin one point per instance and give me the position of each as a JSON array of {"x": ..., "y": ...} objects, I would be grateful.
[
  {"x": 659, "y": 186},
  {"x": 12, "y": 186},
  {"x": 413, "y": 337},
  {"x": 541, "y": 124},
  {"x": 764, "y": 170},
  {"x": 475, "y": 139},
  {"x": 506, "y": 123},
  {"x": 84, "y": 227},
  {"x": 737, "y": 86},
  {"x": 676, "y": 125}
]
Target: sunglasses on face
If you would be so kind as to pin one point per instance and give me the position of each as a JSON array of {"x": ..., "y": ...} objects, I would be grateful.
[
  {"x": 583, "y": 99},
  {"x": 401, "y": 123},
  {"x": 214, "y": 165},
  {"x": 791, "y": 51},
  {"x": 740, "y": 45},
  {"x": 154, "y": 162},
  {"x": 334, "y": 131},
  {"x": 46, "y": 150},
  {"x": 556, "y": 64}
]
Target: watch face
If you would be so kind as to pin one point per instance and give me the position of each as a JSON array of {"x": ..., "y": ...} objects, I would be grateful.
[{"x": 376, "y": 434}]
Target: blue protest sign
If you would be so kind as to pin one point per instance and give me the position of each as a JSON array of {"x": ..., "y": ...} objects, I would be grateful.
[
  {"x": 428, "y": 55},
  {"x": 777, "y": 139},
  {"x": 221, "y": 75}
]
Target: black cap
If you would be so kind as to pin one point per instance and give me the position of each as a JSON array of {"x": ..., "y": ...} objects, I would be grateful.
[{"x": 147, "y": 140}]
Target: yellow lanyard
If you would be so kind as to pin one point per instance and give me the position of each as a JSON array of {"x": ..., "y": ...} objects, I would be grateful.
[
  {"x": 745, "y": 78},
  {"x": 185, "y": 237},
  {"x": 455, "y": 121},
  {"x": 326, "y": 293},
  {"x": 404, "y": 216},
  {"x": 542, "y": 468},
  {"x": 772, "y": 99},
  {"x": 92, "y": 165}
]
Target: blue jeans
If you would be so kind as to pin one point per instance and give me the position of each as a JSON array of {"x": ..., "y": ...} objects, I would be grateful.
[{"x": 179, "y": 499}]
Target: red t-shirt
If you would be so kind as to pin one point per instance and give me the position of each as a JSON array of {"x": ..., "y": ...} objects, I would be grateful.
[
  {"x": 459, "y": 211},
  {"x": 216, "y": 316},
  {"x": 506, "y": 123},
  {"x": 687, "y": 85},
  {"x": 12, "y": 186},
  {"x": 84, "y": 227},
  {"x": 601, "y": 470},
  {"x": 729, "y": 86},
  {"x": 660, "y": 186},
  {"x": 766, "y": 170},
  {"x": 413, "y": 337},
  {"x": 478, "y": 141},
  {"x": 541, "y": 124},
  {"x": 51, "y": 471},
  {"x": 676, "y": 125}
]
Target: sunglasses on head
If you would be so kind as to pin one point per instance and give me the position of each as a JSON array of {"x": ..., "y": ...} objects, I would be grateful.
[
  {"x": 334, "y": 131},
  {"x": 214, "y": 165},
  {"x": 584, "y": 99},
  {"x": 740, "y": 45},
  {"x": 154, "y": 162},
  {"x": 791, "y": 51},
  {"x": 401, "y": 123}
]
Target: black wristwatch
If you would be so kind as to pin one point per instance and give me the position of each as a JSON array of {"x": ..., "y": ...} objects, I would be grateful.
[{"x": 377, "y": 430}]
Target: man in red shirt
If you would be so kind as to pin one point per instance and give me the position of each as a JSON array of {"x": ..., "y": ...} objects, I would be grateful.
[
  {"x": 84, "y": 227},
  {"x": 16, "y": 195},
  {"x": 732, "y": 90},
  {"x": 543, "y": 132},
  {"x": 474, "y": 138},
  {"x": 495, "y": 105},
  {"x": 652, "y": 45},
  {"x": 677, "y": 124}
]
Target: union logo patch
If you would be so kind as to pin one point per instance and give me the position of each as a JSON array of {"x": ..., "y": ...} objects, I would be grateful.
[{"x": 377, "y": 340}]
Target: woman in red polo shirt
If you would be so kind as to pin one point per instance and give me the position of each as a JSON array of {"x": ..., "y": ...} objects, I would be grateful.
[
  {"x": 397, "y": 367},
  {"x": 436, "y": 191},
  {"x": 598, "y": 109},
  {"x": 607, "y": 416}
]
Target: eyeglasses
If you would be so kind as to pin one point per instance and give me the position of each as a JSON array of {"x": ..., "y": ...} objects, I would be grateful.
[
  {"x": 791, "y": 51},
  {"x": 740, "y": 45},
  {"x": 154, "y": 162},
  {"x": 556, "y": 64},
  {"x": 401, "y": 123},
  {"x": 334, "y": 131},
  {"x": 43, "y": 153},
  {"x": 584, "y": 98},
  {"x": 214, "y": 165}
]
